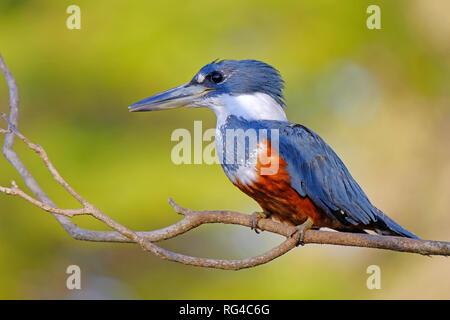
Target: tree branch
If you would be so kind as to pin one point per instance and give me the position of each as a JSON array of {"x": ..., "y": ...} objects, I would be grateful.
[{"x": 191, "y": 219}]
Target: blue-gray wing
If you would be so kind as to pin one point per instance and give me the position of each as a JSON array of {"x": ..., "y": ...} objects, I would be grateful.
[{"x": 319, "y": 174}]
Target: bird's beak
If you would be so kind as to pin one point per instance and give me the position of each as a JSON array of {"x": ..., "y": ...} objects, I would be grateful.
[{"x": 184, "y": 95}]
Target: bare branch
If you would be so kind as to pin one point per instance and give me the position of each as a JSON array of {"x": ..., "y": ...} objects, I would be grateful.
[
  {"x": 191, "y": 219},
  {"x": 15, "y": 190},
  {"x": 425, "y": 247},
  {"x": 73, "y": 230}
]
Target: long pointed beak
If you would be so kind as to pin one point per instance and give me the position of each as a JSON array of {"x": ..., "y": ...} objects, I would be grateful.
[{"x": 181, "y": 96}]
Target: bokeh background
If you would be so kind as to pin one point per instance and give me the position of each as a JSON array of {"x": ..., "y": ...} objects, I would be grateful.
[{"x": 380, "y": 98}]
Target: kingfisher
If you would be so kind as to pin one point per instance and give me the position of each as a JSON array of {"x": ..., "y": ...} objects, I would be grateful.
[{"x": 309, "y": 186}]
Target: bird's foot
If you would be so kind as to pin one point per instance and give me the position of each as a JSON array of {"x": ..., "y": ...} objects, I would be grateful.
[
  {"x": 255, "y": 217},
  {"x": 300, "y": 231}
]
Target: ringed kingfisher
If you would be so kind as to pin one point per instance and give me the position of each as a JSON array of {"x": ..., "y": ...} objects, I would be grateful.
[{"x": 311, "y": 187}]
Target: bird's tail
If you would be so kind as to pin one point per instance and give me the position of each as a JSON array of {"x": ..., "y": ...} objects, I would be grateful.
[{"x": 387, "y": 226}]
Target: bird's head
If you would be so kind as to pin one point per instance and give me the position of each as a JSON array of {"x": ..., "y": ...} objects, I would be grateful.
[{"x": 248, "y": 88}]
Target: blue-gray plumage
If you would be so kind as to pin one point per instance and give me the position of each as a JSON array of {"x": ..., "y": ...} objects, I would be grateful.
[{"x": 311, "y": 187}]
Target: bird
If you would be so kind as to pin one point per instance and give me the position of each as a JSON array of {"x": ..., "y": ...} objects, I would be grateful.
[{"x": 310, "y": 188}]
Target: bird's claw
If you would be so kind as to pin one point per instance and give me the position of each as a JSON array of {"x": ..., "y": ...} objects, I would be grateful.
[
  {"x": 255, "y": 217},
  {"x": 300, "y": 231}
]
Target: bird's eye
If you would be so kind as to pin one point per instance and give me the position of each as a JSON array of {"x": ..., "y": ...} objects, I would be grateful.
[{"x": 216, "y": 77}]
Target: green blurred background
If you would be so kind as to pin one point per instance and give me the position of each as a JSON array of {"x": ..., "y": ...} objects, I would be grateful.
[{"x": 380, "y": 98}]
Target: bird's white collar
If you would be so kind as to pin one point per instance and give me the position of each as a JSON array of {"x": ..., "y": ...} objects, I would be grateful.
[{"x": 256, "y": 106}]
